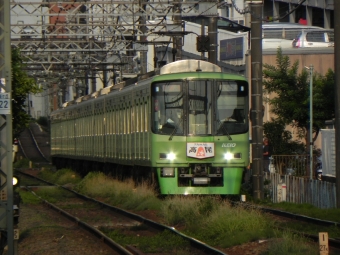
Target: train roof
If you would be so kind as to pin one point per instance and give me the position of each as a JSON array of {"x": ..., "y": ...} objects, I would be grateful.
[
  {"x": 181, "y": 68},
  {"x": 189, "y": 65}
]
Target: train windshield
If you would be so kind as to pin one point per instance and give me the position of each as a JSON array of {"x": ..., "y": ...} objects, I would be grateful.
[
  {"x": 199, "y": 107},
  {"x": 187, "y": 107},
  {"x": 168, "y": 108},
  {"x": 232, "y": 107}
]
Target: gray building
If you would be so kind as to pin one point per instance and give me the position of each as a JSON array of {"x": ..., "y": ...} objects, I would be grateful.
[{"x": 311, "y": 12}]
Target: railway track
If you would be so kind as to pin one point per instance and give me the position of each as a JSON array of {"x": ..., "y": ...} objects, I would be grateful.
[
  {"x": 94, "y": 216},
  {"x": 334, "y": 243},
  {"x": 34, "y": 144},
  {"x": 281, "y": 216}
]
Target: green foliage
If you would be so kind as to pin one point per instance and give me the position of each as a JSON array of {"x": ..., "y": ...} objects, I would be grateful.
[
  {"x": 308, "y": 210},
  {"x": 183, "y": 210},
  {"x": 168, "y": 242},
  {"x": 62, "y": 176},
  {"x": 291, "y": 101},
  {"x": 281, "y": 139},
  {"x": 217, "y": 219},
  {"x": 125, "y": 194},
  {"x": 236, "y": 222},
  {"x": 53, "y": 194},
  {"x": 22, "y": 85},
  {"x": 292, "y": 244},
  {"x": 28, "y": 198},
  {"x": 22, "y": 163}
]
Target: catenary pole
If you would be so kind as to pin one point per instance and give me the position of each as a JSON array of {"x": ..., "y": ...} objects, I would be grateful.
[
  {"x": 256, "y": 98},
  {"x": 337, "y": 96},
  {"x": 6, "y": 149},
  {"x": 311, "y": 169},
  {"x": 143, "y": 54}
]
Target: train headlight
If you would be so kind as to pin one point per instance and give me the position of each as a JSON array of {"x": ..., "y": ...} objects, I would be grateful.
[
  {"x": 168, "y": 172},
  {"x": 170, "y": 156},
  {"x": 228, "y": 156},
  {"x": 15, "y": 181}
]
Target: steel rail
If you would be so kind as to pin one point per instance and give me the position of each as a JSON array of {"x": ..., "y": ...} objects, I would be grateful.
[
  {"x": 193, "y": 242},
  {"x": 115, "y": 246},
  {"x": 332, "y": 241}
]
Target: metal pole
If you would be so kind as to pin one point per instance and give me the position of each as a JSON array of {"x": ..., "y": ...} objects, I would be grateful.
[
  {"x": 178, "y": 47},
  {"x": 337, "y": 97},
  {"x": 6, "y": 161},
  {"x": 311, "y": 122},
  {"x": 257, "y": 98},
  {"x": 143, "y": 28},
  {"x": 203, "y": 33}
]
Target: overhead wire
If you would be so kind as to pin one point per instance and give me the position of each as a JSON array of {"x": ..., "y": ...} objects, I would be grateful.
[{"x": 159, "y": 25}]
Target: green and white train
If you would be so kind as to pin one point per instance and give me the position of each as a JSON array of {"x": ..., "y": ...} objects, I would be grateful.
[{"x": 185, "y": 128}]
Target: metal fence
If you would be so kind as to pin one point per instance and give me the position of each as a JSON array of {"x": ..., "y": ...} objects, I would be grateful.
[
  {"x": 297, "y": 165},
  {"x": 301, "y": 190}
]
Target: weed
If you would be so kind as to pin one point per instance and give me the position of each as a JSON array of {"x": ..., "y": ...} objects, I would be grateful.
[{"x": 289, "y": 243}]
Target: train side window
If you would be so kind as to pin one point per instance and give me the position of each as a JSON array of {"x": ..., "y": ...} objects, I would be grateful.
[
  {"x": 116, "y": 120},
  {"x": 128, "y": 120},
  {"x": 133, "y": 128},
  {"x": 146, "y": 116},
  {"x": 121, "y": 121},
  {"x": 142, "y": 116},
  {"x": 137, "y": 117}
]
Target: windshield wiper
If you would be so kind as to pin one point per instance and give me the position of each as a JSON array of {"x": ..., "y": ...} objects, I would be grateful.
[
  {"x": 175, "y": 129},
  {"x": 221, "y": 125}
]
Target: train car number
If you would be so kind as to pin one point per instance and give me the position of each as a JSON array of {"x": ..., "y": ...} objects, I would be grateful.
[
  {"x": 5, "y": 103},
  {"x": 16, "y": 234}
]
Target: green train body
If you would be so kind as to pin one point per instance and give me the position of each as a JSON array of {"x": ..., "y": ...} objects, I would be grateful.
[{"x": 186, "y": 128}]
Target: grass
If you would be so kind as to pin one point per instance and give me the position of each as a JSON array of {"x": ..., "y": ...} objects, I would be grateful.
[
  {"x": 166, "y": 240},
  {"x": 28, "y": 198},
  {"x": 292, "y": 244},
  {"x": 217, "y": 219},
  {"x": 53, "y": 194},
  {"x": 220, "y": 224},
  {"x": 61, "y": 177},
  {"x": 22, "y": 163},
  {"x": 124, "y": 194},
  {"x": 308, "y": 210}
]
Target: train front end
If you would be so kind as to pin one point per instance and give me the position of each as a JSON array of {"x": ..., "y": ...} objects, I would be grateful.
[{"x": 200, "y": 129}]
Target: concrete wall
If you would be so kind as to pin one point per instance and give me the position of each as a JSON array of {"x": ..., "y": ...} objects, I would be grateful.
[{"x": 321, "y": 58}]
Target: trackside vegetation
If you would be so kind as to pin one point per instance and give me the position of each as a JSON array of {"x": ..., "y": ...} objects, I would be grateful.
[{"x": 221, "y": 224}]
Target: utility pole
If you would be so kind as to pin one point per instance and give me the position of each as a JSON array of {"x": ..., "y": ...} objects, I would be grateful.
[
  {"x": 143, "y": 54},
  {"x": 256, "y": 97},
  {"x": 177, "y": 50},
  {"x": 337, "y": 97},
  {"x": 6, "y": 143},
  {"x": 212, "y": 32}
]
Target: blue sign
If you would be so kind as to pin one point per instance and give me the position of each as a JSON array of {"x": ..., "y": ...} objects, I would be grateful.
[{"x": 231, "y": 48}]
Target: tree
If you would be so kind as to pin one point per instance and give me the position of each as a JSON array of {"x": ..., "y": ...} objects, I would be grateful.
[
  {"x": 289, "y": 93},
  {"x": 281, "y": 139},
  {"x": 22, "y": 85}
]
